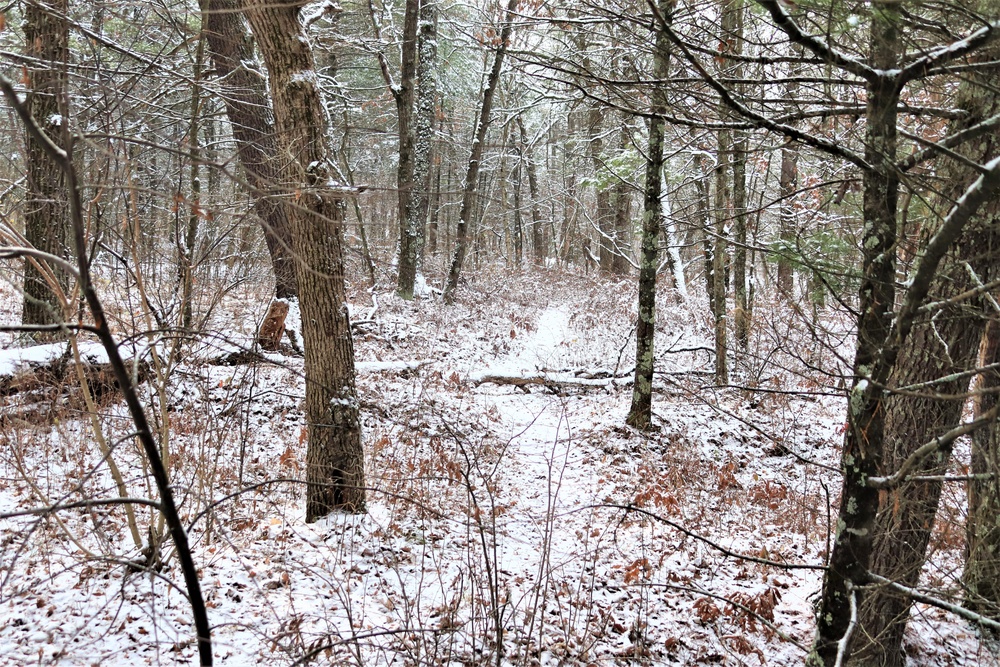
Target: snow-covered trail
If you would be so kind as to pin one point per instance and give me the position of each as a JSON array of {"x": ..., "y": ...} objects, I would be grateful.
[{"x": 545, "y": 467}]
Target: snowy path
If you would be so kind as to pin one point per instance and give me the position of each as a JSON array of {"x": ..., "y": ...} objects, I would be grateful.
[{"x": 541, "y": 461}]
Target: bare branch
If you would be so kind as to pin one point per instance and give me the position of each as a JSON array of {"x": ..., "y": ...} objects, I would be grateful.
[
  {"x": 917, "y": 596},
  {"x": 922, "y": 66},
  {"x": 817, "y": 46},
  {"x": 929, "y": 448}
]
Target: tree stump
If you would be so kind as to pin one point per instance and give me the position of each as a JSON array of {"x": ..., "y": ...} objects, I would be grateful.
[{"x": 273, "y": 326}]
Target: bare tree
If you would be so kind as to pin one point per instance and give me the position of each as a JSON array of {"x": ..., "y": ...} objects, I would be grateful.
[
  {"x": 334, "y": 459},
  {"x": 475, "y": 158},
  {"x": 46, "y": 207},
  {"x": 245, "y": 95},
  {"x": 640, "y": 414}
]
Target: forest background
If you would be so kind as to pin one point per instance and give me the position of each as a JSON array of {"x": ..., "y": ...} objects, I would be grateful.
[{"x": 356, "y": 277}]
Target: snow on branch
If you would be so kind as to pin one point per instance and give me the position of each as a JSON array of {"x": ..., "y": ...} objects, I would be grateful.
[
  {"x": 929, "y": 448},
  {"x": 989, "y": 125},
  {"x": 922, "y": 66},
  {"x": 817, "y": 46},
  {"x": 317, "y": 11},
  {"x": 761, "y": 121},
  {"x": 979, "y": 192},
  {"x": 917, "y": 596}
]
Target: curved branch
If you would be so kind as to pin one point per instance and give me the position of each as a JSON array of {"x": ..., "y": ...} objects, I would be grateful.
[
  {"x": 829, "y": 54},
  {"x": 923, "y": 66}
]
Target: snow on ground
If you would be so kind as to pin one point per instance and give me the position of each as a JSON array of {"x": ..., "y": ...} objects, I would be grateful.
[{"x": 526, "y": 524}]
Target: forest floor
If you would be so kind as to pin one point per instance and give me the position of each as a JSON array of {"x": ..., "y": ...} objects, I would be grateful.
[{"x": 505, "y": 525}]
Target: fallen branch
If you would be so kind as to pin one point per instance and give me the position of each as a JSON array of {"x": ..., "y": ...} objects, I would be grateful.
[{"x": 554, "y": 381}]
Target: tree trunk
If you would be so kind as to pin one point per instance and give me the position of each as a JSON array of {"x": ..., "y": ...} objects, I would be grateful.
[
  {"x": 46, "y": 207},
  {"x": 478, "y": 145},
  {"x": 334, "y": 460},
  {"x": 640, "y": 414},
  {"x": 788, "y": 184},
  {"x": 243, "y": 90},
  {"x": 537, "y": 242},
  {"x": 718, "y": 298},
  {"x": 603, "y": 213},
  {"x": 941, "y": 345},
  {"x": 517, "y": 223},
  {"x": 186, "y": 264},
  {"x": 787, "y": 187},
  {"x": 409, "y": 237},
  {"x": 863, "y": 440},
  {"x": 981, "y": 577},
  {"x": 934, "y": 350},
  {"x": 621, "y": 204},
  {"x": 425, "y": 103},
  {"x": 732, "y": 24},
  {"x": 704, "y": 223}
]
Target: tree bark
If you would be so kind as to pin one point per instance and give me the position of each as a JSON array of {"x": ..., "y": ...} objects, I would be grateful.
[
  {"x": 732, "y": 25},
  {"x": 788, "y": 183},
  {"x": 537, "y": 242},
  {"x": 423, "y": 131},
  {"x": 187, "y": 264},
  {"x": 46, "y": 207},
  {"x": 704, "y": 223},
  {"x": 787, "y": 187},
  {"x": 334, "y": 459},
  {"x": 404, "y": 93},
  {"x": 981, "y": 577},
  {"x": 718, "y": 299},
  {"x": 243, "y": 90},
  {"x": 621, "y": 204},
  {"x": 640, "y": 413}
]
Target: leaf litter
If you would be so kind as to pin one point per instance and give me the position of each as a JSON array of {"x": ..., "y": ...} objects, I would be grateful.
[{"x": 505, "y": 525}]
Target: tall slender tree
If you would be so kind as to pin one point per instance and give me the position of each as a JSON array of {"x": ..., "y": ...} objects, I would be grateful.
[
  {"x": 940, "y": 353},
  {"x": 244, "y": 92},
  {"x": 981, "y": 576},
  {"x": 471, "y": 183},
  {"x": 640, "y": 414}
]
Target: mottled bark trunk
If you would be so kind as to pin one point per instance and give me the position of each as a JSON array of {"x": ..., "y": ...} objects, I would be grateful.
[
  {"x": 244, "y": 92},
  {"x": 863, "y": 441},
  {"x": 46, "y": 207},
  {"x": 704, "y": 222},
  {"x": 787, "y": 186},
  {"x": 334, "y": 459},
  {"x": 640, "y": 414},
  {"x": 423, "y": 131},
  {"x": 732, "y": 25},
  {"x": 621, "y": 204},
  {"x": 517, "y": 222},
  {"x": 722, "y": 216},
  {"x": 404, "y": 92},
  {"x": 476, "y": 156},
  {"x": 537, "y": 242}
]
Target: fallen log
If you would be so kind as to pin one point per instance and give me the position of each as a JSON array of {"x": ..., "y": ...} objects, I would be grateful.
[
  {"x": 556, "y": 382},
  {"x": 50, "y": 366}
]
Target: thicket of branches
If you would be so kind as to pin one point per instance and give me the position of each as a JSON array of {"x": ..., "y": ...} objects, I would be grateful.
[{"x": 832, "y": 161}]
